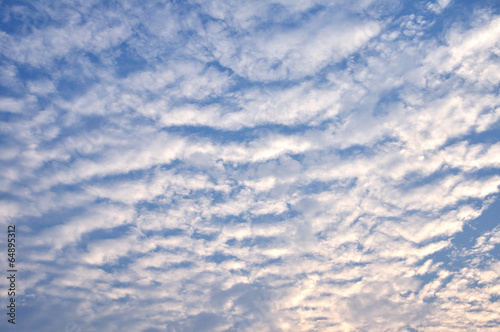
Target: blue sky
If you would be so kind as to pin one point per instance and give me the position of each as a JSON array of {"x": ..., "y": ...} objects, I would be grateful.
[{"x": 252, "y": 166}]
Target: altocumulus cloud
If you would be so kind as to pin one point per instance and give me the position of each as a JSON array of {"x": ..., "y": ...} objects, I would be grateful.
[{"x": 252, "y": 166}]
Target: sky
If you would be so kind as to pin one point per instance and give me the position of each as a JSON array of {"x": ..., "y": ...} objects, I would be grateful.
[{"x": 220, "y": 165}]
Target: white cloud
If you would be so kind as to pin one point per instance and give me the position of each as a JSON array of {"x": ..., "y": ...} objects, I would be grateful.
[
  {"x": 254, "y": 164},
  {"x": 438, "y": 6}
]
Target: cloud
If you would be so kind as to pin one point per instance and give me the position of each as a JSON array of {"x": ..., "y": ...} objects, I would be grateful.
[
  {"x": 284, "y": 166},
  {"x": 438, "y": 6}
]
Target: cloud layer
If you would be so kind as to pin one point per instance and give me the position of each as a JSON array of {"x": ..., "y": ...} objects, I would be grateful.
[{"x": 267, "y": 166}]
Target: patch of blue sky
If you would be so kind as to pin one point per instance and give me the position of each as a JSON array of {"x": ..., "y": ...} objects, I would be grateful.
[
  {"x": 386, "y": 100},
  {"x": 214, "y": 134},
  {"x": 270, "y": 218},
  {"x": 29, "y": 72},
  {"x": 49, "y": 218},
  {"x": 118, "y": 265},
  {"x": 251, "y": 241},
  {"x": 72, "y": 87},
  {"x": 417, "y": 179},
  {"x": 472, "y": 230},
  {"x": 6, "y": 116},
  {"x": 219, "y": 257},
  {"x": 460, "y": 254},
  {"x": 243, "y": 83},
  {"x": 487, "y": 137},
  {"x": 128, "y": 61},
  {"x": 110, "y": 233},
  {"x": 22, "y": 17},
  {"x": 205, "y": 235},
  {"x": 163, "y": 233},
  {"x": 278, "y": 17}
]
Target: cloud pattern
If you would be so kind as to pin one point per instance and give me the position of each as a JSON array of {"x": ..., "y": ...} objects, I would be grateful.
[{"x": 260, "y": 166}]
